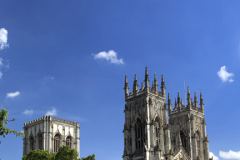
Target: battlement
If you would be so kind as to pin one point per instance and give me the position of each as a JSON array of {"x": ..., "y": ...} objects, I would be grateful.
[
  {"x": 180, "y": 107},
  {"x": 145, "y": 89},
  {"x": 50, "y": 118}
]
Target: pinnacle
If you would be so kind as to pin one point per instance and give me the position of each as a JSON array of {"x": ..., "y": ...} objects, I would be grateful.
[{"x": 146, "y": 71}]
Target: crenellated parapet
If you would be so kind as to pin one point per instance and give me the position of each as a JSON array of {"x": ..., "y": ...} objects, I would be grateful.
[
  {"x": 49, "y": 118},
  {"x": 191, "y": 106},
  {"x": 145, "y": 89}
]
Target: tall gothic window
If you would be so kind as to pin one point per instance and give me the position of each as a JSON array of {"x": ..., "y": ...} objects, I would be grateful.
[
  {"x": 40, "y": 141},
  {"x": 184, "y": 140},
  {"x": 31, "y": 143},
  {"x": 56, "y": 142},
  {"x": 198, "y": 142},
  {"x": 69, "y": 142},
  {"x": 157, "y": 134},
  {"x": 139, "y": 134}
]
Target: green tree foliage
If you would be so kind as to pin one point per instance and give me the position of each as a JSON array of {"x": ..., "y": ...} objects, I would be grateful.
[
  {"x": 64, "y": 153},
  {"x": 90, "y": 157},
  {"x": 4, "y": 130},
  {"x": 39, "y": 155}
]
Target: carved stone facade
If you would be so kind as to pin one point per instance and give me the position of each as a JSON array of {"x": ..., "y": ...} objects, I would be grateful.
[
  {"x": 147, "y": 133},
  {"x": 49, "y": 133}
]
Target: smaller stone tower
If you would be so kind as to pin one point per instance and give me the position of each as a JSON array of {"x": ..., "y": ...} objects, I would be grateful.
[{"x": 49, "y": 133}]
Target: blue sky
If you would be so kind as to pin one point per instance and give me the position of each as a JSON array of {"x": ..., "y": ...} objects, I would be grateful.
[{"x": 69, "y": 59}]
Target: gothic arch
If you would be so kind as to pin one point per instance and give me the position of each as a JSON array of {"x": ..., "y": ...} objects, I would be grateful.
[
  {"x": 156, "y": 118},
  {"x": 157, "y": 127},
  {"x": 136, "y": 119},
  {"x": 57, "y": 132},
  {"x": 40, "y": 140},
  {"x": 69, "y": 141},
  {"x": 183, "y": 137},
  {"x": 31, "y": 141},
  {"x": 57, "y": 141},
  {"x": 139, "y": 134}
]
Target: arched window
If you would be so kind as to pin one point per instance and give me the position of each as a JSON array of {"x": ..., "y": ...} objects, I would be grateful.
[
  {"x": 69, "y": 142},
  {"x": 139, "y": 134},
  {"x": 40, "y": 141},
  {"x": 31, "y": 143},
  {"x": 157, "y": 133},
  {"x": 184, "y": 140},
  {"x": 56, "y": 142}
]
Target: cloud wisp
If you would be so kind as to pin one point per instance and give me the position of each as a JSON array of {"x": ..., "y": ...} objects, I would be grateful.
[
  {"x": 224, "y": 75},
  {"x": 12, "y": 95},
  {"x": 211, "y": 155},
  {"x": 53, "y": 112},
  {"x": 3, "y": 38},
  {"x": 28, "y": 112},
  {"x": 230, "y": 155},
  {"x": 109, "y": 56}
]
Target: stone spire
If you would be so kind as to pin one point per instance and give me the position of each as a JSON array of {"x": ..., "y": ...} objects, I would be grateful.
[
  {"x": 195, "y": 100},
  {"x": 155, "y": 83},
  {"x": 189, "y": 98},
  {"x": 163, "y": 86},
  {"x": 142, "y": 87},
  {"x": 135, "y": 85},
  {"x": 169, "y": 104},
  {"x": 146, "y": 80},
  {"x": 201, "y": 102},
  {"x": 126, "y": 88},
  {"x": 175, "y": 103},
  {"x": 181, "y": 102},
  {"x": 178, "y": 100}
]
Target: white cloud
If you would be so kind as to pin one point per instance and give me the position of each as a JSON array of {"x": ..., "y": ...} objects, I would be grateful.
[
  {"x": 224, "y": 75},
  {"x": 1, "y": 74},
  {"x": 3, "y": 38},
  {"x": 230, "y": 155},
  {"x": 212, "y": 155},
  {"x": 28, "y": 112},
  {"x": 12, "y": 95},
  {"x": 51, "y": 113},
  {"x": 110, "y": 56},
  {"x": 1, "y": 62}
]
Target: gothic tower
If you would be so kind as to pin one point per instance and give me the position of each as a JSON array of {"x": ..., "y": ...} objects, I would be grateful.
[
  {"x": 147, "y": 133},
  {"x": 188, "y": 127},
  {"x": 146, "y": 129}
]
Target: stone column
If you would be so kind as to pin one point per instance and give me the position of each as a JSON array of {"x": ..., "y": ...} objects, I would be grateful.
[
  {"x": 201, "y": 148},
  {"x": 194, "y": 144},
  {"x": 148, "y": 131},
  {"x": 206, "y": 148}
]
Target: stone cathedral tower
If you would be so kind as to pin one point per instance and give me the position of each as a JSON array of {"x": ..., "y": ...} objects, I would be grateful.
[{"x": 147, "y": 133}]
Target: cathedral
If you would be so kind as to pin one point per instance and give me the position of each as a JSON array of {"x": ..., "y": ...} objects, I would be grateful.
[{"x": 150, "y": 135}]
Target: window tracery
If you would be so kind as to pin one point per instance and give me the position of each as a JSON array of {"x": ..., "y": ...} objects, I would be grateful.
[
  {"x": 139, "y": 134},
  {"x": 198, "y": 142},
  {"x": 40, "y": 141},
  {"x": 157, "y": 132},
  {"x": 56, "y": 142},
  {"x": 31, "y": 143},
  {"x": 184, "y": 140},
  {"x": 69, "y": 142}
]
